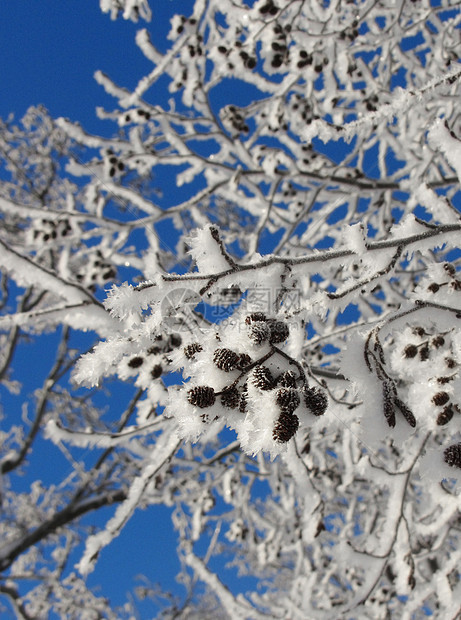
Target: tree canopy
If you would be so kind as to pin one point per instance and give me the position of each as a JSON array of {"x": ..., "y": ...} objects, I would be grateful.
[{"x": 265, "y": 254}]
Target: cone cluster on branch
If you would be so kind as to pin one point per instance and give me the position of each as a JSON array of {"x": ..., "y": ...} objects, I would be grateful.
[{"x": 288, "y": 389}]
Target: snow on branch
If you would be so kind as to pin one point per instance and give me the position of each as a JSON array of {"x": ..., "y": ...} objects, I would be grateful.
[
  {"x": 401, "y": 102},
  {"x": 28, "y": 273},
  {"x": 236, "y": 606},
  {"x": 448, "y": 143},
  {"x": 130, "y": 9},
  {"x": 90, "y": 438}
]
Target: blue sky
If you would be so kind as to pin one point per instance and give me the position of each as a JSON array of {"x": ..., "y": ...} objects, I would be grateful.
[{"x": 50, "y": 50}]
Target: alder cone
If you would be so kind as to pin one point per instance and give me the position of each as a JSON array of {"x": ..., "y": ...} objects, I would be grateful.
[
  {"x": 445, "y": 415},
  {"x": 452, "y": 455},
  {"x": 255, "y": 316},
  {"x": 316, "y": 400},
  {"x": 411, "y": 350},
  {"x": 156, "y": 371},
  {"x": 230, "y": 398},
  {"x": 259, "y": 332},
  {"x": 441, "y": 398},
  {"x": 191, "y": 349},
  {"x": 136, "y": 362},
  {"x": 201, "y": 396},
  {"x": 175, "y": 340},
  {"x": 287, "y": 399},
  {"x": 424, "y": 353},
  {"x": 226, "y": 359},
  {"x": 286, "y": 426},
  {"x": 287, "y": 379},
  {"x": 279, "y": 332},
  {"x": 244, "y": 361},
  {"x": 262, "y": 378}
]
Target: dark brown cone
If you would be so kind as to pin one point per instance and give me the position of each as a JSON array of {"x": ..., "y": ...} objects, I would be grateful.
[
  {"x": 259, "y": 332},
  {"x": 316, "y": 400},
  {"x": 287, "y": 379},
  {"x": 156, "y": 371},
  {"x": 287, "y": 399},
  {"x": 279, "y": 332},
  {"x": 452, "y": 455},
  {"x": 201, "y": 396},
  {"x": 225, "y": 359},
  {"x": 262, "y": 378},
  {"x": 230, "y": 398},
  {"x": 411, "y": 350},
  {"x": 244, "y": 361},
  {"x": 445, "y": 415},
  {"x": 136, "y": 362},
  {"x": 441, "y": 398},
  {"x": 424, "y": 353},
  {"x": 286, "y": 426},
  {"x": 175, "y": 340},
  {"x": 255, "y": 316},
  {"x": 191, "y": 349}
]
